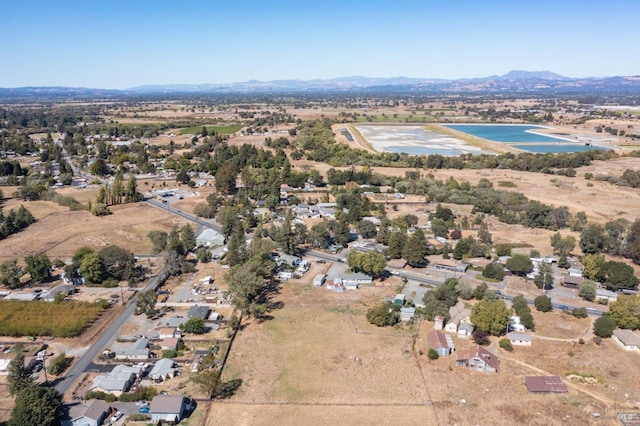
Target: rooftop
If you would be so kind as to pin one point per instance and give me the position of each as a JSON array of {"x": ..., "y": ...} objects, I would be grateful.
[{"x": 545, "y": 384}]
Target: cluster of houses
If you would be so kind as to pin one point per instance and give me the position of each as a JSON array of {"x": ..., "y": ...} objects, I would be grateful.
[
  {"x": 169, "y": 409},
  {"x": 48, "y": 296}
]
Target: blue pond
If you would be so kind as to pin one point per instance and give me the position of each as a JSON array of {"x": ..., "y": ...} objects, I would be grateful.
[{"x": 522, "y": 137}]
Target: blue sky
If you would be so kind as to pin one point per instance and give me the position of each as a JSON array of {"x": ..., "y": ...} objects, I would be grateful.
[{"x": 120, "y": 44}]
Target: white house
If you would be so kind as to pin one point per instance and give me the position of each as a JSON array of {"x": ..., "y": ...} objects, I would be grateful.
[
  {"x": 167, "y": 408},
  {"x": 515, "y": 324},
  {"x": 406, "y": 314},
  {"x": 519, "y": 339},
  {"x": 629, "y": 340},
  {"x": 209, "y": 238}
]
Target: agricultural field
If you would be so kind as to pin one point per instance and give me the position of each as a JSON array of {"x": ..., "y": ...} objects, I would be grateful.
[
  {"x": 220, "y": 130},
  {"x": 67, "y": 319}
]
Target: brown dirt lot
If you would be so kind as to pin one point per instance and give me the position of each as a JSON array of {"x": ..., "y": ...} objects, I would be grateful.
[{"x": 301, "y": 368}]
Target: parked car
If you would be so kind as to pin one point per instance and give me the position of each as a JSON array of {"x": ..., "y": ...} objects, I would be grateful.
[
  {"x": 117, "y": 416},
  {"x": 144, "y": 410},
  {"x": 563, "y": 307}
]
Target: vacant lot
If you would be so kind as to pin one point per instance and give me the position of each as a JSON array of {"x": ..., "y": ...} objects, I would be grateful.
[{"x": 319, "y": 362}]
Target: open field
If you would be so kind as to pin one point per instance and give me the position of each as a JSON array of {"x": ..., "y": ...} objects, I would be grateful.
[
  {"x": 59, "y": 232},
  {"x": 221, "y": 130},
  {"x": 319, "y": 362}
]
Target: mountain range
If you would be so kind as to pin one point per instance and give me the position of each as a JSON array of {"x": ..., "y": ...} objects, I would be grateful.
[{"x": 525, "y": 82}]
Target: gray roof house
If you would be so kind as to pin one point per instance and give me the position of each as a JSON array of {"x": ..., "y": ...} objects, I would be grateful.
[
  {"x": 119, "y": 380},
  {"x": 629, "y": 340},
  {"x": 163, "y": 369},
  {"x": 65, "y": 289},
  {"x": 406, "y": 314},
  {"x": 167, "y": 408},
  {"x": 209, "y": 238},
  {"x": 519, "y": 339},
  {"x": 138, "y": 350},
  {"x": 92, "y": 414}
]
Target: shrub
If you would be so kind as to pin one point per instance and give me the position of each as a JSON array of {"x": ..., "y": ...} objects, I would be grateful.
[
  {"x": 480, "y": 337},
  {"x": 604, "y": 326},
  {"x": 433, "y": 354},
  {"x": 579, "y": 312},
  {"x": 58, "y": 364},
  {"x": 169, "y": 353},
  {"x": 506, "y": 344},
  {"x": 543, "y": 304}
]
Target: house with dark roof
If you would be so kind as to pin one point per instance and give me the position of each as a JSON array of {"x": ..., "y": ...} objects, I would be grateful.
[
  {"x": 545, "y": 384},
  {"x": 440, "y": 342},
  {"x": 168, "y": 408},
  {"x": 478, "y": 358},
  {"x": 198, "y": 311}
]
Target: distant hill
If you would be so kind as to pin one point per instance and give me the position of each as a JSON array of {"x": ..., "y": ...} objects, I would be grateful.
[{"x": 530, "y": 82}]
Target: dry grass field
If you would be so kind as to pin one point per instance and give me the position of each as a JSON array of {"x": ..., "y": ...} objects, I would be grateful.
[
  {"x": 60, "y": 232},
  {"x": 318, "y": 361}
]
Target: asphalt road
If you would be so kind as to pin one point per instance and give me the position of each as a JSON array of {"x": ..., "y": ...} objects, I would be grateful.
[
  {"x": 192, "y": 218},
  {"x": 83, "y": 362}
]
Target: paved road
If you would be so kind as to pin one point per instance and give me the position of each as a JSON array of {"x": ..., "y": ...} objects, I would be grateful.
[
  {"x": 83, "y": 362},
  {"x": 192, "y": 218}
]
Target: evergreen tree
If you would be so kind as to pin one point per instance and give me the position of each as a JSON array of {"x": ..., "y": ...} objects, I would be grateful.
[
  {"x": 416, "y": 249},
  {"x": 19, "y": 377},
  {"x": 397, "y": 244}
]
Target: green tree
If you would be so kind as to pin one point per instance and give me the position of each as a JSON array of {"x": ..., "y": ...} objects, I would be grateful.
[
  {"x": 203, "y": 255},
  {"x": 439, "y": 228},
  {"x": 433, "y": 354},
  {"x": 366, "y": 229},
  {"x": 493, "y": 270},
  {"x": 480, "y": 291},
  {"x": 604, "y": 326},
  {"x": 226, "y": 177},
  {"x": 625, "y": 311},
  {"x": 506, "y": 344},
  {"x": 131, "y": 194},
  {"x": 382, "y": 315},
  {"x": 618, "y": 276},
  {"x": 118, "y": 263},
  {"x": 592, "y": 239},
  {"x": 19, "y": 377},
  {"x": 10, "y": 274},
  {"x": 146, "y": 303},
  {"x": 592, "y": 264},
  {"x": 587, "y": 290},
  {"x": 416, "y": 249},
  {"x": 246, "y": 288},
  {"x": 39, "y": 266},
  {"x": 92, "y": 268},
  {"x": 543, "y": 304},
  {"x": 491, "y": 316},
  {"x": 633, "y": 242},
  {"x": 36, "y": 405},
  {"x": 187, "y": 237},
  {"x": 397, "y": 243},
  {"x": 58, "y": 364},
  {"x": 371, "y": 263},
  {"x": 194, "y": 326},
  {"x": 158, "y": 239},
  {"x": 519, "y": 264}
]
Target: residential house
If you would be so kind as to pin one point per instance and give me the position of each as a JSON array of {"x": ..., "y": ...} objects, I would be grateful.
[
  {"x": 169, "y": 344},
  {"x": 168, "y": 408},
  {"x": 373, "y": 220},
  {"x": 466, "y": 329},
  {"x": 575, "y": 270},
  {"x": 198, "y": 311},
  {"x": 519, "y": 339},
  {"x": 629, "y": 340},
  {"x": 163, "y": 369},
  {"x": 50, "y": 296},
  {"x": 138, "y": 350},
  {"x": 169, "y": 332},
  {"x": 458, "y": 314},
  {"x": 478, "y": 358},
  {"x": 209, "y": 238},
  {"x": 440, "y": 342},
  {"x": 92, "y": 414},
  {"x": 608, "y": 295},
  {"x": 119, "y": 380},
  {"x": 571, "y": 281},
  {"x": 545, "y": 384},
  {"x": 353, "y": 281},
  {"x": 451, "y": 265},
  {"x": 406, "y": 314}
]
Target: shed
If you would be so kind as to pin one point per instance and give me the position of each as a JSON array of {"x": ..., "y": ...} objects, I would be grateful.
[
  {"x": 440, "y": 343},
  {"x": 399, "y": 299},
  {"x": 406, "y": 314}
]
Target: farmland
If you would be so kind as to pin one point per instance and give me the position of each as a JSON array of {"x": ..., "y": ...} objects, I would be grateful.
[{"x": 67, "y": 319}]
